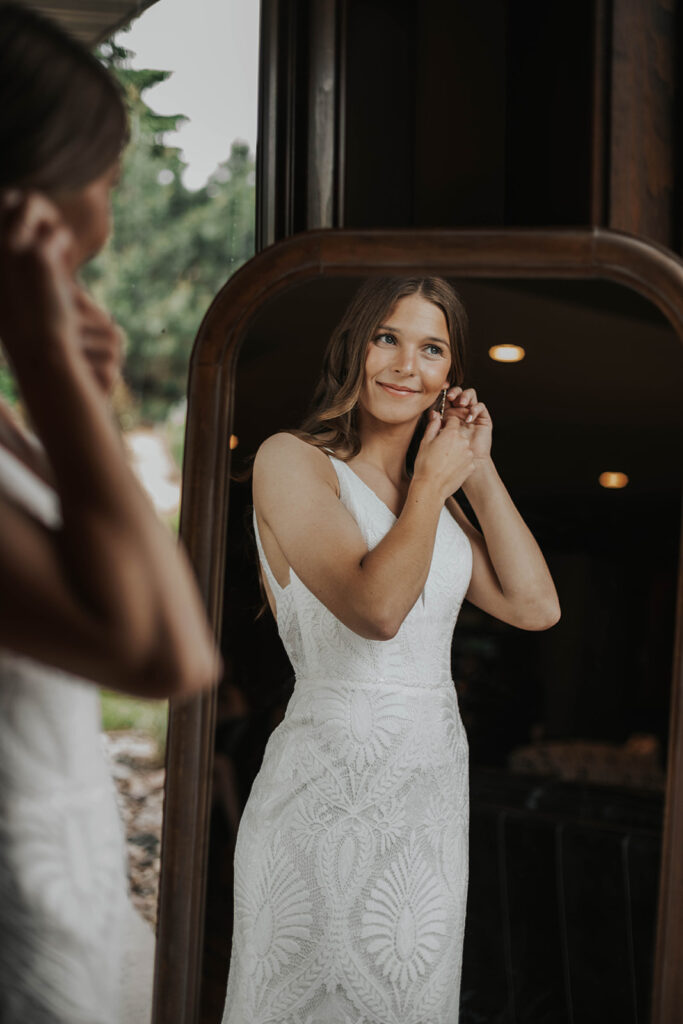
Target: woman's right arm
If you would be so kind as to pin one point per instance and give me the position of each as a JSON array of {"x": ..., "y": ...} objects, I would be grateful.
[
  {"x": 109, "y": 596},
  {"x": 297, "y": 506}
]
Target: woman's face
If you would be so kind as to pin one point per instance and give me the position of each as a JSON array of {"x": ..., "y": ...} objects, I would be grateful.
[
  {"x": 407, "y": 363},
  {"x": 87, "y": 211}
]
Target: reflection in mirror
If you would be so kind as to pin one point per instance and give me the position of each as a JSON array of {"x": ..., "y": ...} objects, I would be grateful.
[{"x": 567, "y": 728}]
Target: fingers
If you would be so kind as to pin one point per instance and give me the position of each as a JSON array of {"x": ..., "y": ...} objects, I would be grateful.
[
  {"x": 453, "y": 419},
  {"x": 101, "y": 341},
  {"x": 445, "y": 456},
  {"x": 462, "y": 396},
  {"x": 95, "y": 322},
  {"x": 460, "y": 415},
  {"x": 98, "y": 345},
  {"x": 30, "y": 225},
  {"x": 85, "y": 302},
  {"x": 478, "y": 412},
  {"x": 433, "y": 426},
  {"x": 105, "y": 369},
  {"x": 55, "y": 245},
  {"x": 10, "y": 201},
  {"x": 25, "y": 217},
  {"x": 92, "y": 316},
  {"x": 457, "y": 418},
  {"x": 466, "y": 406},
  {"x": 104, "y": 360},
  {"x": 11, "y": 205}
]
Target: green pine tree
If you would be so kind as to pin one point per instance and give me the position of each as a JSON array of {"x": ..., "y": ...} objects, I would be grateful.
[{"x": 171, "y": 248}]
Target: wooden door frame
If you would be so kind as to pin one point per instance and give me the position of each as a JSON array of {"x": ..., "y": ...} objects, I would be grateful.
[{"x": 599, "y": 254}]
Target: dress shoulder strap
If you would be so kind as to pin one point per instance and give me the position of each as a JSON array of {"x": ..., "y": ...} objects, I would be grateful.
[
  {"x": 21, "y": 485},
  {"x": 273, "y": 583},
  {"x": 343, "y": 477}
]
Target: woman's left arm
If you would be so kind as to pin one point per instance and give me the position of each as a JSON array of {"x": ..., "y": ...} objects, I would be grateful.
[{"x": 510, "y": 578}]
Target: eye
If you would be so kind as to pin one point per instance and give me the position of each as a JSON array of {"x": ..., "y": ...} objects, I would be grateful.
[
  {"x": 434, "y": 350},
  {"x": 388, "y": 339}
]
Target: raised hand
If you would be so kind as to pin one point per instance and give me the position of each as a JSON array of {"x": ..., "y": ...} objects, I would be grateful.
[
  {"x": 445, "y": 456},
  {"x": 463, "y": 405},
  {"x": 42, "y": 307},
  {"x": 100, "y": 340},
  {"x": 37, "y": 307}
]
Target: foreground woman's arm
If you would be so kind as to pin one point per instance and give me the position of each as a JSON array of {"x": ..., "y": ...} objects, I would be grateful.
[{"x": 109, "y": 596}]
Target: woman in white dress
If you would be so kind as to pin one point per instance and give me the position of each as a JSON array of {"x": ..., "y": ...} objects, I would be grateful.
[
  {"x": 351, "y": 857},
  {"x": 92, "y": 588}
]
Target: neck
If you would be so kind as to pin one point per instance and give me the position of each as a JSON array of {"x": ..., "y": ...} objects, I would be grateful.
[{"x": 385, "y": 445}]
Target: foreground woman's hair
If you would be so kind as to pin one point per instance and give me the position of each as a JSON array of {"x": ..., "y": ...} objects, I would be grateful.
[{"x": 63, "y": 119}]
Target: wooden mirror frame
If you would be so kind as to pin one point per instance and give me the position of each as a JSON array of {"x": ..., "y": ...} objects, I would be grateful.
[{"x": 652, "y": 271}]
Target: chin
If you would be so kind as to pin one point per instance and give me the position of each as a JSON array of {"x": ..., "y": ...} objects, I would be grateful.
[
  {"x": 396, "y": 417},
  {"x": 87, "y": 253}
]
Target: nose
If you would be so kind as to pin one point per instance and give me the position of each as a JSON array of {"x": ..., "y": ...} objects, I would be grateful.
[{"x": 404, "y": 361}]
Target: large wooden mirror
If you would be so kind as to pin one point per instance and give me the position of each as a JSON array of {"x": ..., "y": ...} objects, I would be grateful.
[{"x": 571, "y": 732}]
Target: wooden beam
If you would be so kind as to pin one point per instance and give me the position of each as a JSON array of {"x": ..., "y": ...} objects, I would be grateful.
[
  {"x": 642, "y": 116},
  {"x": 90, "y": 21}
]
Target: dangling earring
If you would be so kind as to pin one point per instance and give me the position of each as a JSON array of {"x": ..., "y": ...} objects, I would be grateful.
[{"x": 442, "y": 407}]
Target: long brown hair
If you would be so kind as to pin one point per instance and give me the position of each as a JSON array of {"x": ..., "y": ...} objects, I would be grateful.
[
  {"x": 332, "y": 420},
  {"x": 63, "y": 119}
]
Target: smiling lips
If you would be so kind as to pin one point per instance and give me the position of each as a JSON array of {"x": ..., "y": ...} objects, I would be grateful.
[{"x": 396, "y": 390}]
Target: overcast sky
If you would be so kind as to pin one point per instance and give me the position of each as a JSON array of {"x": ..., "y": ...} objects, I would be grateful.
[{"x": 211, "y": 46}]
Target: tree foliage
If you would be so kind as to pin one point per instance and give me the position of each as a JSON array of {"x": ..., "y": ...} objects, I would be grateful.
[{"x": 171, "y": 248}]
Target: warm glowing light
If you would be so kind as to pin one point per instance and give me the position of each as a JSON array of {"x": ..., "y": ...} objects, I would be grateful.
[
  {"x": 507, "y": 353},
  {"x": 234, "y": 441},
  {"x": 613, "y": 479}
]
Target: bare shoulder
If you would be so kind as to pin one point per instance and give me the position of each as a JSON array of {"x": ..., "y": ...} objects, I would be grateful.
[
  {"x": 284, "y": 459},
  {"x": 292, "y": 451},
  {"x": 285, "y": 445}
]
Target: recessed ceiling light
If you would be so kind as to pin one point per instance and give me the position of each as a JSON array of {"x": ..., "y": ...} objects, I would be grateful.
[
  {"x": 507, "y": 353},
  {"x": 613, "y": 480},
  {"x": 234, "y": 441}
]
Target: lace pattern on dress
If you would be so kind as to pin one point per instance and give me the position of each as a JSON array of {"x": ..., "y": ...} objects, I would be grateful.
[{"x": 351, "y": 856}]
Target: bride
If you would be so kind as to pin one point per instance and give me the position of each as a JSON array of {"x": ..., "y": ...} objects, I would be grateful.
[
  {"x": 351, "y": 860},
  {"x": 92, "y": 588}
]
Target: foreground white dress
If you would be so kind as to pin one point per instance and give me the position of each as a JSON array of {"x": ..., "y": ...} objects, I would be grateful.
[
  {"x": 351, "y": 859},
  {"x": 68, "y": 933}
]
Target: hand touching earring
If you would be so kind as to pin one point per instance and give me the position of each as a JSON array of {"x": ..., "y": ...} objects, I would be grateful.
[{"x": 473, "y": 414}]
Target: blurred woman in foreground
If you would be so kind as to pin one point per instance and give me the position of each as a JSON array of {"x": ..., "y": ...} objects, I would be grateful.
[{"x": 92, "y": 588}]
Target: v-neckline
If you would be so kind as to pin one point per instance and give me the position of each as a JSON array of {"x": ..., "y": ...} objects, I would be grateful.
[
  {"x": 369, "y": 488},
  {"x": 387, "y": 509}
]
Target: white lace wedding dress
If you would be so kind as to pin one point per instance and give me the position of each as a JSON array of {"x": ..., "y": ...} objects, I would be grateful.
[
  {"x": 351, "y": 860},
  {"x": 72, "y": 948}
]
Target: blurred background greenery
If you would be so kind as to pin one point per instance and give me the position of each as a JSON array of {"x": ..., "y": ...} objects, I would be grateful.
[
  {"x": 122, "y": 712},
  {"x": 171, "y": 248},
  {"x": 170, "y": 251}
]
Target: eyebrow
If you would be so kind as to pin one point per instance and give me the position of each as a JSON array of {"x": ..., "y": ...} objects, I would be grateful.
[{"x": 397, "y": 330}]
